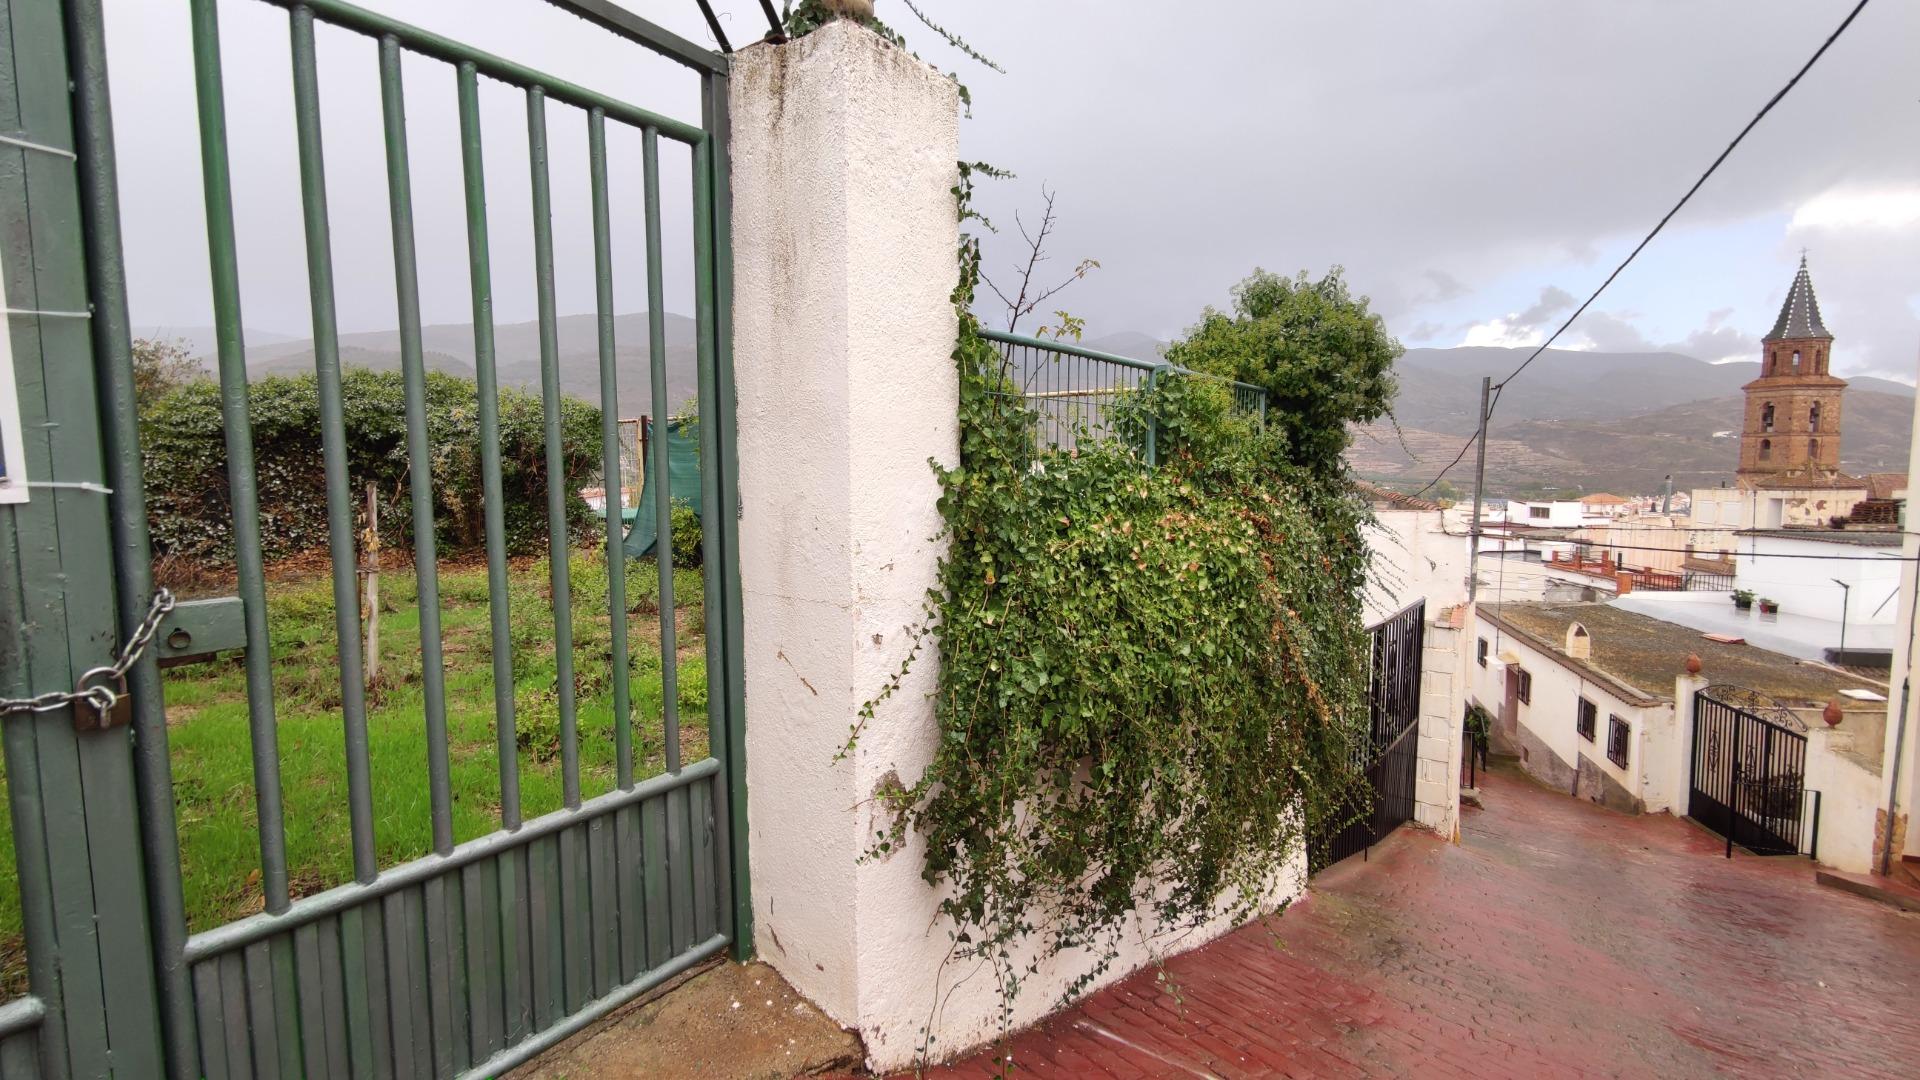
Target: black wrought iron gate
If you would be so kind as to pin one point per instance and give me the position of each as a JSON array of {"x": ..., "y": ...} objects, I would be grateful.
[
  {"x": 475, "y": 955},
  {"x": 1391, "y": 752},
  {"x": 1748, "y": 774}
]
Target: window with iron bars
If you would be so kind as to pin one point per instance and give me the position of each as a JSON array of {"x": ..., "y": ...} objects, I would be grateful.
[
  {"x": 1523, "y": 685},
  {"x": 1617, "y": 731},
  {"x": 1588, "y": 713}
]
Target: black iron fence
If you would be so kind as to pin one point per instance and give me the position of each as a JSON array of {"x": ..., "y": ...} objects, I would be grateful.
[
  {"x": 1390, "y": 755},
  {"x": 1748, "y": 776}
]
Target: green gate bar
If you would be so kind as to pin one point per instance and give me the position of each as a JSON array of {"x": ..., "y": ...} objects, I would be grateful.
[
  {"x": 560, "y": 578},
  {"x": 133, "y": 555},
  {"x": 372, "y": 24},
  {"x": 249, "y": 562},
  {"x": 662, "y": 474},
  {"x": 613, "y": 486},
  {"x": 706, "y": 903},
  {"x": 487, "y": 384},
  {"x": 476, "y": 957},
  {"x": 730, "y": 798},
  {"x": 406, "y": 280},
  {"x": 333, "y": 443}
]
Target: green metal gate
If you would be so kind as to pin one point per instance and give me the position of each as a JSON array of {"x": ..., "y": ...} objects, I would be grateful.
[{"x": 481, "y": 954}]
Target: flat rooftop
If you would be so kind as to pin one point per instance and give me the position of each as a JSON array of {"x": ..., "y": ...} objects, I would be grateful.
[
  {"x": 1646, "y": 653},
  {"x": 1789, "y": 632},
  {"x": 1870, "y": 536}
]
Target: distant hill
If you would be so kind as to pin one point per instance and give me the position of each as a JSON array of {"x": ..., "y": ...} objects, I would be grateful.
[
  {"x": 1601, "y": 421},
  {"x": 448, "y": 347},
  {"x": 1128, "y": 343},
  {"x": 1588, "y": 420},
  {"x": 1440, "y": 388},
  {"x": 1581, "y": 420}
]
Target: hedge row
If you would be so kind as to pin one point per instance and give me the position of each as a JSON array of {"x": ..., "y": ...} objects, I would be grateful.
[{"x": 189, "y": 502}]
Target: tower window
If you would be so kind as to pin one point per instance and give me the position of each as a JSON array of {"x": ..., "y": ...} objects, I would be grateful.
[
  {"x": 1766, "y": 417},
  {"x": 1813, "y": 448},
  {"x": 1813, "y": 417},
  {"x": 1796, "y": 359},
  {"x": 1766, "y": 449}
]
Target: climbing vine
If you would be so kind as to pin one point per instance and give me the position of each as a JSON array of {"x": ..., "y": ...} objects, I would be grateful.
[{"x": 1151, "y": 680}]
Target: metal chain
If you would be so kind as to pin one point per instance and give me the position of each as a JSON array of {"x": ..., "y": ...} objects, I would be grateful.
[{"x": 101, "y": 696}]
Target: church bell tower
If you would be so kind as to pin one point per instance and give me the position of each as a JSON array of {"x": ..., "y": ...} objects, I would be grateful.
[{"x": 1791, "y": 438}]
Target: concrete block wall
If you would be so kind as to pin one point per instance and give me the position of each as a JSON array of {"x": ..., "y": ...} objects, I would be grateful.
[{"x": 1443, "y": 696}]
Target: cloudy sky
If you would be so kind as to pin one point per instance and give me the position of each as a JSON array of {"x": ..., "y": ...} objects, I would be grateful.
[{"x": 1476, "y": 165}]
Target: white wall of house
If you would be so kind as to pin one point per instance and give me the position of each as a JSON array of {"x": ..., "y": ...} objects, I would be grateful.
[
  {"x": 1413, "y": 558},
  {"x": 1546, "y": 514},
  {"x": 1850, "y": 791},
  {"x": 1545, "y": 732},
  {"x": 1651, "y": 543},
  {"x": 1800, "y": 573},
  {"x": 1900, "y": 782},
  {"x": 1770, "y": 508}
]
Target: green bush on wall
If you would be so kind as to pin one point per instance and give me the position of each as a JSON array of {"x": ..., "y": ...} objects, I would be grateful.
[
  {"x": 189, "y": 505},
  {"x": 1152, "y": 681}
]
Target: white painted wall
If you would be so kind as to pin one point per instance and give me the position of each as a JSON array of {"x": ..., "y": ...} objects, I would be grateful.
[
  {"x": 1546, "y": 514},
  {"x": 1800, "y": 575},
  {"x": 844, "y": 152},
  {"x": 1413, "y": 558},
  {"x": 1900, "y": 784},
  {"x": 844, "y": 258},
  {"x": 1850, "y": 794},
  {"x": 1553, "y": 719},
  {"x": 1443, "y": 681}
]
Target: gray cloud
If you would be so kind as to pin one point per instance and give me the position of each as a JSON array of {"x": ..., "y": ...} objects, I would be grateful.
[
  {"x": 1444, "y": 287},
  {"x": 1186, "y": 150},
  {"x": 1553, "y": 300}
]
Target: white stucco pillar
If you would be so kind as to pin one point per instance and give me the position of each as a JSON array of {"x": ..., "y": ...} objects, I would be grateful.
[
  {"x": 1678, "y": 752},
  {"x": 1443, "y": 666},
  {"x": 844, "y": 226}
]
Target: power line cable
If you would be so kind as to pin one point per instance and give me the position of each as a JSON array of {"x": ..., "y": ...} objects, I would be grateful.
[
  {"x": 1778, "y": 96},
  {"x": 1702, "y": 554}
]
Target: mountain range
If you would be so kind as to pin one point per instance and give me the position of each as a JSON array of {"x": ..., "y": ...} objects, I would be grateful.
[
  {"x": 448, "y": 347},
  {"x": 1575, "y": 421},
  {"x": 1587, "y": 421}
]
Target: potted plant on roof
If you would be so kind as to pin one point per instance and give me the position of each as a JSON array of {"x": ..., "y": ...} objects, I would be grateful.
[
  {"x": 1769, "y": 606},
  {"x": 1743, "y": 599}
]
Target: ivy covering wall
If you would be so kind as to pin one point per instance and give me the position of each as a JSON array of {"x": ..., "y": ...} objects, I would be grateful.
[{"x": 1151, "y": 681}]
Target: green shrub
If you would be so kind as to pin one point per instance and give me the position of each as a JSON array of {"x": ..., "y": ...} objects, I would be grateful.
[
  {"x": 189, "y": 506},
  {"x": 536, "y": 722},
  {"x": 688, "y": 549},
  {"x": 692, "y": 686},
  {"x": 1152, "y": 681}
]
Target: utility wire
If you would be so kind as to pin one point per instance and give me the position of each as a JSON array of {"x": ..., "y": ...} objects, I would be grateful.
[
  {"x": 1778, "y": 96},
  {"x": 1701, "y": 554}
]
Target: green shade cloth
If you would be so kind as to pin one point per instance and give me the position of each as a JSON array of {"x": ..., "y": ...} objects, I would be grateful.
[{"x": 683, "y": 469}]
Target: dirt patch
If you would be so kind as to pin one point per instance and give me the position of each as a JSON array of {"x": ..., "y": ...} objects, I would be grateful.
[{"x": 728, "y": 1022}]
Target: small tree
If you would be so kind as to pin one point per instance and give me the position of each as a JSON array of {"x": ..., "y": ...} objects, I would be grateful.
[
  {"x": 1325, "y": 359},
  {"x": 1026, "y": 297},
  {"x": 160, "y": 367}
]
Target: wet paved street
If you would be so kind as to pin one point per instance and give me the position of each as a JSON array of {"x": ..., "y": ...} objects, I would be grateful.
[{"x": 1558, "y": 939}]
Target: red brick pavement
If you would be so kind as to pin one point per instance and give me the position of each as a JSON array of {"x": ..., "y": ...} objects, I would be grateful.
[{"x": 1558, "y": 939}]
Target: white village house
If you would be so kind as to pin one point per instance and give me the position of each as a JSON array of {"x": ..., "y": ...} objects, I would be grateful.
[{"x": 1599, "y": 702}]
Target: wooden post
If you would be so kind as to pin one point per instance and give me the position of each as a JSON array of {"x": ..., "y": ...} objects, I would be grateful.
[{"x": 370, "y": 566}]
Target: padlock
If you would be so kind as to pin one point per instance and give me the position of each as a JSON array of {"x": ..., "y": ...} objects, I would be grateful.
[{"x": 90, "y": 713}]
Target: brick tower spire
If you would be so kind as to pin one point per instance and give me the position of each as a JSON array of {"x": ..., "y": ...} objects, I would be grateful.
[{"x": 1791, "y": 438}]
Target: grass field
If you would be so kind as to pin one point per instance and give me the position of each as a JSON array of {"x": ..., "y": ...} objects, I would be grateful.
[{"x": 211, "y": 749}]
